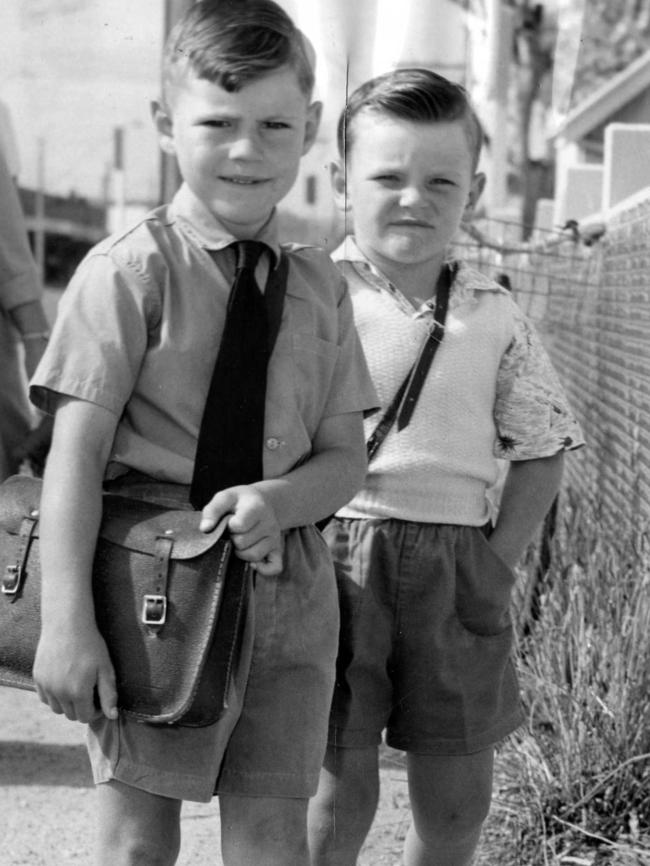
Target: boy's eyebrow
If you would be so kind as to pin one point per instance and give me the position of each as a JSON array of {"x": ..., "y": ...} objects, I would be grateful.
[
  {"x": 233, "y": 114},
  {"x": 396, "y": 168}
]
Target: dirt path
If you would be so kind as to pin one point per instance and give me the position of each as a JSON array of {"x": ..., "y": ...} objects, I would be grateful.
[{"x": 46, "y": 797}]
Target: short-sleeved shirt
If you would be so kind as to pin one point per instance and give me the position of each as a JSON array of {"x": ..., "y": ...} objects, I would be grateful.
[
  {"x": 139, "y": 327},
  {"x": 492, "y": 393}
]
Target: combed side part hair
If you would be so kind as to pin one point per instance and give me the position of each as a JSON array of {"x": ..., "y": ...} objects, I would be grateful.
[
  {"x": 233, "y": 43},
  {"x": 414, "y": 94}
]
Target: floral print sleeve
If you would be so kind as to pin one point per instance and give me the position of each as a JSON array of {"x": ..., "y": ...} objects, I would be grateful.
[{"x": 532, "y": 414}]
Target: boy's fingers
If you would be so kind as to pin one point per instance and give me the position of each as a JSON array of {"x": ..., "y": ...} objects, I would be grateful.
[
  {"x": 107, "y": 695},
  {"x": 270, "y": 566},
  {"x": 256, "y": 547},
  {"x": 217, "y": 511},
  {"x": 81, "y": 711},
  {"x": 63, "y": 706},
  {"x": 212, "y": 513},
  {"x": 50, "y": 702}
]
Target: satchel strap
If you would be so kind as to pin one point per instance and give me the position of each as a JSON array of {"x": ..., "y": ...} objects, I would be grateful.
[
  {"x": 13, "y": 579},
  {"x": 154, "y": 603},
  {"x": 406, "y": 398}
]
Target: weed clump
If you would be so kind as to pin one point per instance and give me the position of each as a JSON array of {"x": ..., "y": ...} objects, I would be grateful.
[{"x": 574, "y": 785}]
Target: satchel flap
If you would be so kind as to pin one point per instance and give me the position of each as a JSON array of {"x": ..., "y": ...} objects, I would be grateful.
[
  {"x": 131, "y": 523},
  {"x": 136, "y": 525}
]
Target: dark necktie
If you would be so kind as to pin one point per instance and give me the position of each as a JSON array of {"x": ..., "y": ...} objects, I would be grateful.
[{"x": 229, "y": 450}]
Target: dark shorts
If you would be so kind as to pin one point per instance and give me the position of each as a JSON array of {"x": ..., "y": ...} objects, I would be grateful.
[{"x": 426, "y": 638}]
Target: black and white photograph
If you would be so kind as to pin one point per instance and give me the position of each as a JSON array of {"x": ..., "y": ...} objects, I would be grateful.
[{"x": 325, "y": 433}]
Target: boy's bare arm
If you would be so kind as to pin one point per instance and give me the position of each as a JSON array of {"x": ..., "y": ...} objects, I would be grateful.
[
  {"x": 315, "y": 489},
  {"x": 325, "y": 482},
  {"x": 72, "y": 659},
  {"x": 531, "y": 486}
]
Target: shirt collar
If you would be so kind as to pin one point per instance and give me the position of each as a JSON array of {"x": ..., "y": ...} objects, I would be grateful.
[
  {"x": 206, "y": 230},
  {"x": 348, "y": 251},
  {"x": 466, "y": 282}
]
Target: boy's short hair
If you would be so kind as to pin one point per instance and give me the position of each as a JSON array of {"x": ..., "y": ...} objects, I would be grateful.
[
  {"x": 414, "y": 94},
  {"x": 233, "y": 42}
]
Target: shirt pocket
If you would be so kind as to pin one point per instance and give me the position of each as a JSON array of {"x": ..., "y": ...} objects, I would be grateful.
[{"x": 314, "y": 364}]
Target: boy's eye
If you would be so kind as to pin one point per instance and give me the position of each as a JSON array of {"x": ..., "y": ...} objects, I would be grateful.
[
  {"x": 387, "y": 178},
  {"x": 276, "y": 124},
  {"x": 216, "y": 124},
  {"x": 441, "y": 181}
]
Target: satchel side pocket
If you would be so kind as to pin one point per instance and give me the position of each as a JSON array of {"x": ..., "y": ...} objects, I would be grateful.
[{"x": 20, "y": 584}]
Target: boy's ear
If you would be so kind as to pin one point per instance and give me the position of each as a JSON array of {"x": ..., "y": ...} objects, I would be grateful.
[
  {"x": 164, "y": 126},
  {"x": 475, "y": 192},
  {"x": 311, "y": 126},
  {"x": 337, "y": 178}
]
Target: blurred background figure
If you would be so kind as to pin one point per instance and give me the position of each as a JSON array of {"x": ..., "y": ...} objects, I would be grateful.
[
  {"x": 23, "y": 325},
  {"x": 8, "y": 146}
]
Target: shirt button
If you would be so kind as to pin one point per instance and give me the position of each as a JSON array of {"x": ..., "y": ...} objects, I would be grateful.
[{"x": 272, "y": 443}]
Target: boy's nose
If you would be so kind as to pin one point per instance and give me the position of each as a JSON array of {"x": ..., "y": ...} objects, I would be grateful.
[
  {"x": 245, "y": 146},
  {"x": 411, "y": 196}
]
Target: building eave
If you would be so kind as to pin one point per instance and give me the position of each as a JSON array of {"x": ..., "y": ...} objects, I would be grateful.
[{"x": 607, "y": 100}]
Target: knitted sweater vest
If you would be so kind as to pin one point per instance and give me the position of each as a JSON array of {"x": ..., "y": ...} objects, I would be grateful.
[{"x": 437, "y": 469}]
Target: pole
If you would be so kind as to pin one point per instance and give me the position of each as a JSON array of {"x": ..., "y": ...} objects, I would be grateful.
[
  {"x": 119, "y": 180},
  {"x": 39, "y": 211},
  {"x": 499, "y": 36}
]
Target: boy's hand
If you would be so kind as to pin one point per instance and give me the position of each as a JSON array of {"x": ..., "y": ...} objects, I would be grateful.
[
  {"x": 36, "y": 445},
  {"x": 253, "y": 527},
  {"x": 69, "y": 670}
]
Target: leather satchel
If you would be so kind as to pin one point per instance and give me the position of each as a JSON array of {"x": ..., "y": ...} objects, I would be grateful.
[{"x": 170, "y": 603}]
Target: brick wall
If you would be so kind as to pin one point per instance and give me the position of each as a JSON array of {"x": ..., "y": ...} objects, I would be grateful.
[{"x": 591, "y": 305}]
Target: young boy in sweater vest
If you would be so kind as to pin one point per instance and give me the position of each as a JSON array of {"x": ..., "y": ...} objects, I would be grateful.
[{"x": 425, "y": 639}]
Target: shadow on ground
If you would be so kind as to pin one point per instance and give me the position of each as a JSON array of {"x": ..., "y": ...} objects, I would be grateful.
[{"x": 25, "y": 763}]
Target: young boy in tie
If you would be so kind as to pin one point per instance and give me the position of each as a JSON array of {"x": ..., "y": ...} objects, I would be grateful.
[{"x": 128, "y": 372}]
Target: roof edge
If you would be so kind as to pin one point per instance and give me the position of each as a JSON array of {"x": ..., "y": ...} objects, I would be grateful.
[{"x": 618, "y": 91}]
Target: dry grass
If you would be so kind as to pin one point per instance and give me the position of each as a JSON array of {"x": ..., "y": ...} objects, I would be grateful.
[{"x": 574, "y": 787}]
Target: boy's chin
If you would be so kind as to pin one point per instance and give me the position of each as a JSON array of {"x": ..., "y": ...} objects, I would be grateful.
[
  {"x": 408, "y": 252},
  {"x": 242, "y": 224}
]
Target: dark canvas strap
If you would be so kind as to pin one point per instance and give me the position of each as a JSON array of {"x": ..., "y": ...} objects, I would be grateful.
[{"x": 406, "y": 398}]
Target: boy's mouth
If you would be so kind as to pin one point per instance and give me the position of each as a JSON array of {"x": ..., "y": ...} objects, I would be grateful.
[
  {"x": 412, "y": 224},
  {"x": 242, "y": 181}
]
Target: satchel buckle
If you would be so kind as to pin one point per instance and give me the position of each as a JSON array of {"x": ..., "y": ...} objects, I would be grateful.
[
  {"x": 12, "y": 580},
  {"x": 154, "y": 610}
]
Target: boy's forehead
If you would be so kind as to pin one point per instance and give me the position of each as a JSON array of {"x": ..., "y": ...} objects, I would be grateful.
[
  {"x": 381, "y": 129},
  {"x": 276, "y": 91}
]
